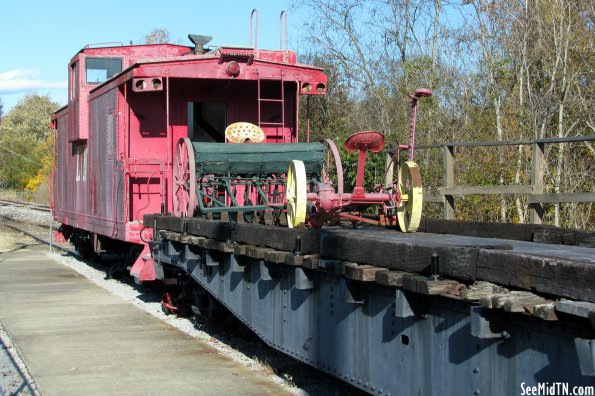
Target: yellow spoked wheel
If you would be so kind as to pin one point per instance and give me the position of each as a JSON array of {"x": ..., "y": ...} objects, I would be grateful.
[
  {"x": 296, "y": 194},
  {"x": 409, "y": 213}
]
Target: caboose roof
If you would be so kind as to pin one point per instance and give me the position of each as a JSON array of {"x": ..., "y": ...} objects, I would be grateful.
[
  {"x": 212, "y": 65},
  {"x": 132, "y": 53}
]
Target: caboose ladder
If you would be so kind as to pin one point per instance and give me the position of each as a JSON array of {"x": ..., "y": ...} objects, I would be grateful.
[{"x": 263, "y": 101}]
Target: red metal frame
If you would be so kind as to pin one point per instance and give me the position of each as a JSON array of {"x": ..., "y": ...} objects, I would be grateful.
[{"x": 329, "y": 205}]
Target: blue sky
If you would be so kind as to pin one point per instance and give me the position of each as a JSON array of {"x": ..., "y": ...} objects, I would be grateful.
[{"x": 39, "y": 37}]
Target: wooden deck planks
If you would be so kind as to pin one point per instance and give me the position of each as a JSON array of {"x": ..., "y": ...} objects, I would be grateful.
[{"x": 562, "y": 271}]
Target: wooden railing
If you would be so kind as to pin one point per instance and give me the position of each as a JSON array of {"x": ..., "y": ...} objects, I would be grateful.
[{"x": 534, "y": 191}]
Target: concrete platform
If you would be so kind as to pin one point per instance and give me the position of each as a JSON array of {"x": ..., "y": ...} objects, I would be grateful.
[{"x": 77, "y": 339}]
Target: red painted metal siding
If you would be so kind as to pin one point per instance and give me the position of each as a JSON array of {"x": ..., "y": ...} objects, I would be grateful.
[
  {"x": 105, "y": 196},
  {"x": 147, "y": 146}
]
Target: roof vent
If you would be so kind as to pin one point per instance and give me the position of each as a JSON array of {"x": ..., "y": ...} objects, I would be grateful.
[{"x": 199, "y": 43}]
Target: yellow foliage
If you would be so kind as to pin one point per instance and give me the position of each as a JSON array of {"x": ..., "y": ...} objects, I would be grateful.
[
  {"x": 44, "y": 152},
  {"x": 35, "y": 181}
]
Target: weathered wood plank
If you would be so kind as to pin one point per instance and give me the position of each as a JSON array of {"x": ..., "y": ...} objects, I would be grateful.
[
  {"x": 220, "y": 230},
  {"x": 514, "y": 301},
  {"x": 276, "y": 256},
  {"x": 556, "y": 276},
  {"x": 563, "y": 236},
  {"x": 336, "y": 267},
  {"x": 519, "y": 232},
  {"x": 213, "y": 244},
  {"x": 545, "y": 311},
  {"x": 202, "y": 242},
  {"x": 172, "y": 236},
  {"x": 241, "y": 250},
  {"x": 491, "y": 300},
  {"x": 405, "y": 253},
  {"x": 183, "y": 238},
  {"x": 365, "y": 273},
  {"x": 523, "y": 304},
  {"x": 227, "y": 247},
  {"x": 576, "y": 308},
  {"x": 295, "y": 261},
  {"x": 311, "y": 261},
  {"x": 485, "y": 190},
  {"x": 193, "y": 240},
  {"x": 278, "y": 238},
  {"x": 392, "y": 278},
  {"x": 170, "y": 223},
  {"x": 257, "y": 252},
  {"x": 481, "y": 289},
  {"x": 544, "y": 268},
  {"x": 561, "y": 197},
  {"x": 429, "y": 286}
]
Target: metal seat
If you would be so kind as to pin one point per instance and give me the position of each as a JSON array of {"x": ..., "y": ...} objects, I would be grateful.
[
  {"x": 242, "y": 132},
  {"x": 368, "y": 141}
]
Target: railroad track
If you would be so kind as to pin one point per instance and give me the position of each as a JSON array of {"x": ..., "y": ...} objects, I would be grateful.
[
  {"x": 12, "y": 213},
  {"x": 39, "y": 238},
  {"x": 25, "y": 205}
]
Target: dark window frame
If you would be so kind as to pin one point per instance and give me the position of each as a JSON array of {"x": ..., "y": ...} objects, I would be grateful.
[{"x": 117, "y": 70}]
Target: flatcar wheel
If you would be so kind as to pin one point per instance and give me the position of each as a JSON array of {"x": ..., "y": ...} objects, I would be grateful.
[
  {"x": 409, "y": 213},
  {"x": 184, "y": 185},
  {"x": 296, "y": 194}
]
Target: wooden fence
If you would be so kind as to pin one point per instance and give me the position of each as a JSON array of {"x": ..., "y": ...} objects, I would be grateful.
[{"x": 535, "y": 191}]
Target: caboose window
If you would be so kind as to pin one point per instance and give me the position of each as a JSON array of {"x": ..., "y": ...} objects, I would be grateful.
[
  {"x": 99, "y": 70},
  {"x": 79, "y": 151},
  {"x": 74, "y": 81}
]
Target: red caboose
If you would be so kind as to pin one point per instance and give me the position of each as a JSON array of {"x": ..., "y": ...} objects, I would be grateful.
[{"x": 127, "y": 108}]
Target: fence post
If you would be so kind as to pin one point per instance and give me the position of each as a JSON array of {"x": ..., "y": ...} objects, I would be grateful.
[
  {"x": 449, "y": 181},
  {"x": 537, "y": 173}
]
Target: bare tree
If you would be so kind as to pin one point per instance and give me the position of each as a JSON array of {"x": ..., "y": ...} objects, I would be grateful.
[
  {"x": 157, "y": 36},
  {"x": 499, "y": 69}
]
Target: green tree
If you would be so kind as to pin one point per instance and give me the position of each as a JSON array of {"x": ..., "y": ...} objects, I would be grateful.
[{"x": 26, "y": 143}]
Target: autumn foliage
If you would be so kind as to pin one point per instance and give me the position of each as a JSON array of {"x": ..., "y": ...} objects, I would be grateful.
[{"x": 26, "y": 144}]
